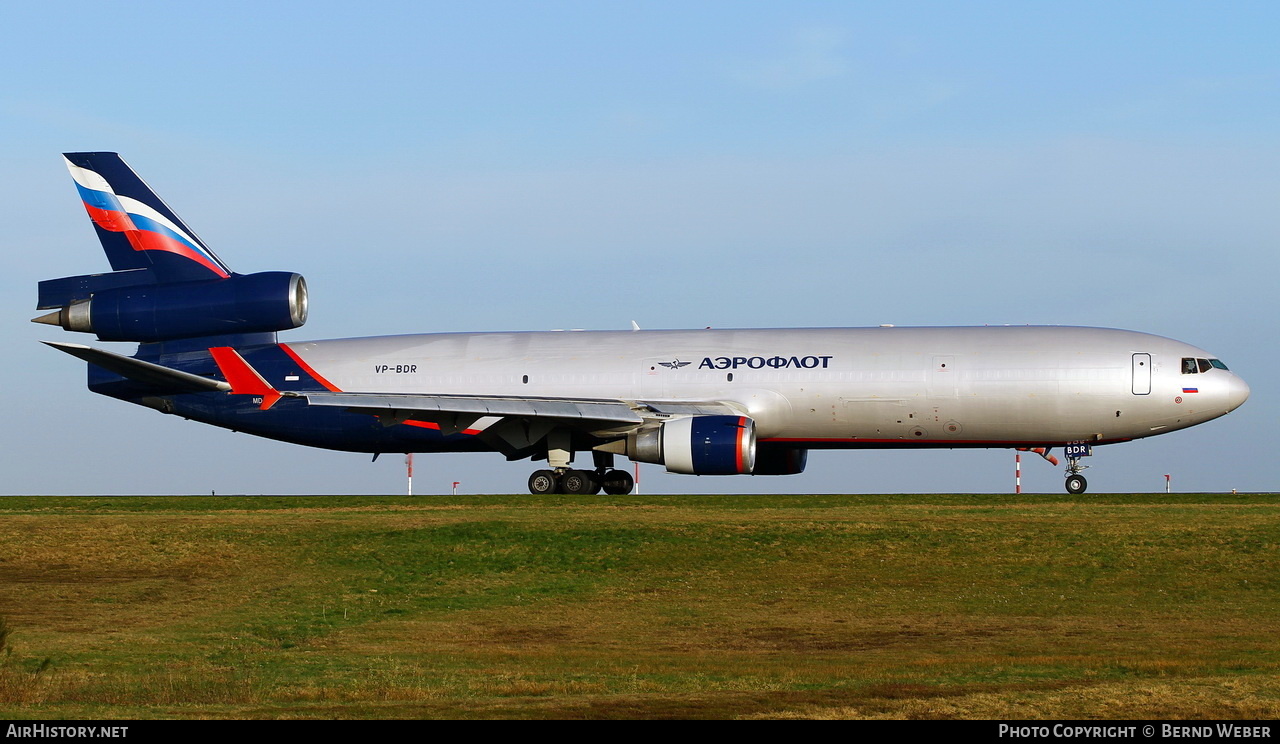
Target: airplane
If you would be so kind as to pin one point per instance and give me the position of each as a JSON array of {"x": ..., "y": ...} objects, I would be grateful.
[{"x": 699, "y": 402}]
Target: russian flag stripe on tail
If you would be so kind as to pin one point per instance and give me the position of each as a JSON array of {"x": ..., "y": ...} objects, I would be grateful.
[{"x": 136, "y": 228}]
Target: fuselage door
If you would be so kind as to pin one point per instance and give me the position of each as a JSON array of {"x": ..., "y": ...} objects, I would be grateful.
[{"x": 1141, "y": 374}]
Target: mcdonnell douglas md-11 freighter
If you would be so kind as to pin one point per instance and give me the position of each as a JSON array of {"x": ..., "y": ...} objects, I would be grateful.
[{"x": 701, "y": 402}]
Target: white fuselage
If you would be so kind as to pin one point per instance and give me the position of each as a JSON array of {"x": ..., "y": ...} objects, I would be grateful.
[{"x": 834, "y": 387}]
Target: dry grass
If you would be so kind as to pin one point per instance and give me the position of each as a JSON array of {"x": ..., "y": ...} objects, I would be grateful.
[{"x": 821, "y": 607}]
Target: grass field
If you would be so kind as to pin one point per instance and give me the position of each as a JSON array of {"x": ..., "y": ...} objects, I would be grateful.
[{"x": 1097, "y": 606}]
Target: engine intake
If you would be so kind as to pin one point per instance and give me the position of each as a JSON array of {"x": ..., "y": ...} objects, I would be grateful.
[
  {"x": 698, "y": 445},
  {"x": 244, "y": 303}
]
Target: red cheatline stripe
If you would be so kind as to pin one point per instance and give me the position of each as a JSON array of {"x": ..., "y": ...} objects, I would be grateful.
[
  {"x": 432, "y": 425},
  {"x": 742, "y": 436},
  {"x": 956, "y": 442},
  {"x": 307, "y": 368}
]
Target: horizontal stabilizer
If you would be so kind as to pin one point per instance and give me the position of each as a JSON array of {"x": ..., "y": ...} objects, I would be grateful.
[
  {"x": 145, "y": 372},
  {"x": 55, "y": 293}
]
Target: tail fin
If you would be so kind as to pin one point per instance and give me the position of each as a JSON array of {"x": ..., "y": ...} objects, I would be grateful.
[
  {"x": 166, "y": 284},
  {"x": 136, "y": 228}
]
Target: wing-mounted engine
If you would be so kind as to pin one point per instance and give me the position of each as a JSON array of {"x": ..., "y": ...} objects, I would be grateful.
[
  {"x": 698, "y": 445},
  {"x": 117, "y": 310}
]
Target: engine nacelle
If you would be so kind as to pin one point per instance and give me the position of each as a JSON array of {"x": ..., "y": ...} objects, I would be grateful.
[
  {"x": 243, "y": 303},
  {"x": 775, "y": 460},
  {"x": 698, "y": 445}
]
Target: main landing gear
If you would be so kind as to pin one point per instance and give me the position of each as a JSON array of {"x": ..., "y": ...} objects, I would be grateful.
[
  {"x": 563, "y": 479},
  {"x": 581, "y": 482}
]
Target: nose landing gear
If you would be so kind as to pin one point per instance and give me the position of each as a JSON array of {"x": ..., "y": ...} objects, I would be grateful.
[{"x": 1075, "y": 482}]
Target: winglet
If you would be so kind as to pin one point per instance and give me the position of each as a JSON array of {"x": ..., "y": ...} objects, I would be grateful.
[{"x": 244, "y": 379}]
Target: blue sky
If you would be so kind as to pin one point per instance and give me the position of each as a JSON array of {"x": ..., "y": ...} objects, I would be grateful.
[{"x": 526, "y": 166}]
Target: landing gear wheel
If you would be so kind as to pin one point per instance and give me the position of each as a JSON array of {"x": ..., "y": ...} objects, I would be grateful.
[
  {"x": 1076, "y": 484},
  {"x": 543, "y": 481},
  {"x": 618, "y": 483},
  {"x": 579, "y": 483}
]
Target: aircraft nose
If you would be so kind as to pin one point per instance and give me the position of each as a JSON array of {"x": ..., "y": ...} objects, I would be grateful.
[{"x": 1237, "y": 393}]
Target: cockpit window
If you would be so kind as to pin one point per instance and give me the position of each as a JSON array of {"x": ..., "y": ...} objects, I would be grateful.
[
  {"x": 1217, "y": 363},
  {"x": 1204, "y": 365},
  {"x": 1189, "y": 366}
]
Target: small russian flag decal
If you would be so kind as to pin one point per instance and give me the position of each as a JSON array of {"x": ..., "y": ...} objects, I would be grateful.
[{"x": 1191, "y": 390}]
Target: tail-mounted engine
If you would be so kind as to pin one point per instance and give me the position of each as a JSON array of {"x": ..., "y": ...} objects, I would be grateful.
[
  {"x": 117, "y": 310},
  {"x": 698, "y": 445}
]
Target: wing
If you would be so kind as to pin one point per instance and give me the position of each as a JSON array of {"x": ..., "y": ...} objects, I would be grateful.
[
  {"x": 516, "y": 422},
  {"x": 589, "y": 412},
  {"x": 513, "y": 425},
  {"x": 431, "y": 407}
]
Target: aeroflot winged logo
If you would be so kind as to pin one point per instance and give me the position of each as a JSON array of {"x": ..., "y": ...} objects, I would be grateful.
[{"x": 675, "y": 364}]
